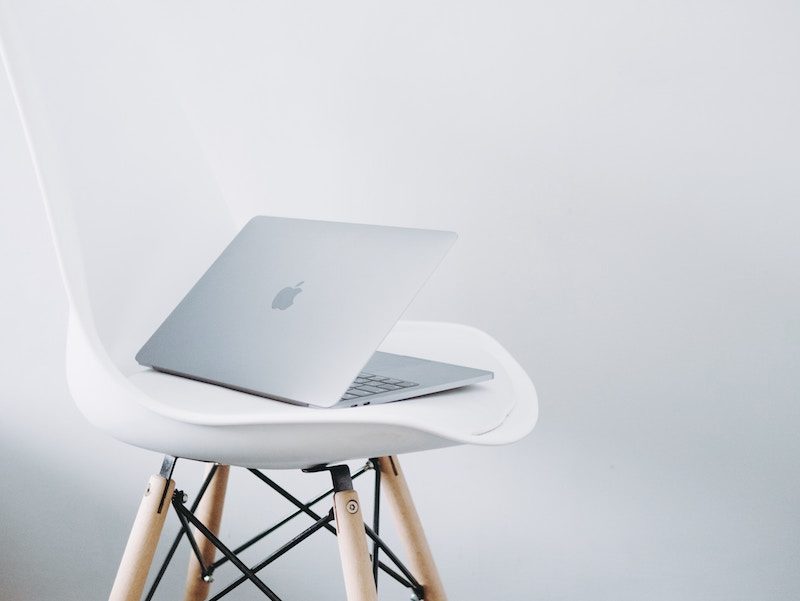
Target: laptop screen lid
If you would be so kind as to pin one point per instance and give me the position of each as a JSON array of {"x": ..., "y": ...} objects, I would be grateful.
[{"x": 293, "y": 309}]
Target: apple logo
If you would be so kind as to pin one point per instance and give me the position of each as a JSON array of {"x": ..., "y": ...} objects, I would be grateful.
[{"x": 285, "y": 298}]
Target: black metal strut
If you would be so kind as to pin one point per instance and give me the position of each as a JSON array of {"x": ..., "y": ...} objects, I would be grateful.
[
  {"x": 320, "y": 523},
  {"x": 342, "y": 480},
  {"x": 376, "y": 517},
  {"x": 250, "y": 542},
  {"x": 339, "y": 476},
  {"x": 177, "y": 503}
]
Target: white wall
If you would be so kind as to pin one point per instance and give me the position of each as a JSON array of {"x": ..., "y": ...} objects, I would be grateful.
[{"x": 624, "y": 179}]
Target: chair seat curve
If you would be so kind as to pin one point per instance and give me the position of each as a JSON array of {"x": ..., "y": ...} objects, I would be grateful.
[{"x": 185, "y": 418}]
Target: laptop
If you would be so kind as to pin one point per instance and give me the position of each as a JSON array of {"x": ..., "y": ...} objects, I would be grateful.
[{"x": 294, "y": 310}]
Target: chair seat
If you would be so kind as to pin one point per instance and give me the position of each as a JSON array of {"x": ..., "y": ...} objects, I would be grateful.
[{"x": 193, "y": 419}]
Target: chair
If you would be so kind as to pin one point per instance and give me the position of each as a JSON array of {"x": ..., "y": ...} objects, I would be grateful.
[{"x": 136, "y": 218}]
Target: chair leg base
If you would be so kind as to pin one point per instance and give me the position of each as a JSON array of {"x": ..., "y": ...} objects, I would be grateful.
[
  {"x": 143, "y": 540},
  {"x": 356, "y": 566},
  {"x": 410, "y": 529}
]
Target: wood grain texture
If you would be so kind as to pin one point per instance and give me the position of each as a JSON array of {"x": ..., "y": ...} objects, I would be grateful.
[
  {"x": 143, "y": 540},
  {"x": 356, "y": 565},
  {"x": 420, "y": 559},
  {"x": 209, "y": 512}
]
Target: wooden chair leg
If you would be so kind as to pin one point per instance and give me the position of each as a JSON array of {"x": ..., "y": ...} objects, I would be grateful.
[
  {"x": 356, "y": 565},
  {"x": 143, "y": 540},
  {"x": 209, "y": 512},
  {"x": 410, "y": 529}
]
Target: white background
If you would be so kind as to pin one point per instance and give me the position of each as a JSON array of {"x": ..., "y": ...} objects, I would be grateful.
[{"x": 624, "y": 178}]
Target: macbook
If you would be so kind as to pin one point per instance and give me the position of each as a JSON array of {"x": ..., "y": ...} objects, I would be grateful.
[{"x": 295, "y": 309}]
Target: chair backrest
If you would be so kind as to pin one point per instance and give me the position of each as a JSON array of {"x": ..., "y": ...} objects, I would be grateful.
[{"x": 133, "y": 206}]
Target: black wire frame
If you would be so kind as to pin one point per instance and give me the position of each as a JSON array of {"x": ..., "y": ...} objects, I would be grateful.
[{"x": 187, "y": 518}]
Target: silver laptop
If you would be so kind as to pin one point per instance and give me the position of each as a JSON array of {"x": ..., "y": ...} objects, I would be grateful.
[{"x": 294, "y": 310}]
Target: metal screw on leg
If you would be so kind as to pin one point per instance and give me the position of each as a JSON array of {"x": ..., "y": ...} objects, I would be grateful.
[
  {"x": 352, "y": 507},
  {"x": 184, "y": 498},
  {"x": 208, "y": 578}
]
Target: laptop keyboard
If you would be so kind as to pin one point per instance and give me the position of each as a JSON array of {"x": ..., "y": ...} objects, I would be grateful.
[{"x": 366, "y": 385}]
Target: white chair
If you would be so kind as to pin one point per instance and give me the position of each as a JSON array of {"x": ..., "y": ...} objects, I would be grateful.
[{"x": 136, "y": 218}]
